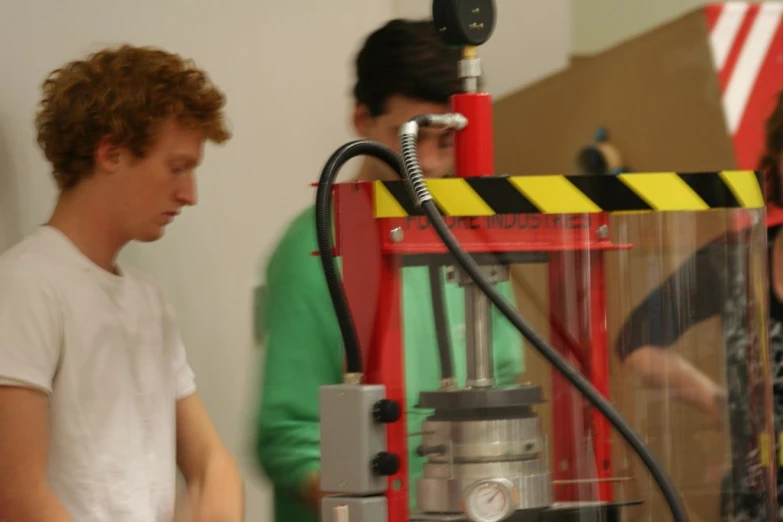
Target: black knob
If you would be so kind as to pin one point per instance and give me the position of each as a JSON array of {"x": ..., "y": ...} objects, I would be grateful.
[
  {"x": 386, "y": 464},
  {"x": 386, "y": 411}
]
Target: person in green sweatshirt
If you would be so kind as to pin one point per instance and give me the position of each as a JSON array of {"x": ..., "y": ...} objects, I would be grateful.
[{"x": 403, "y": 70}]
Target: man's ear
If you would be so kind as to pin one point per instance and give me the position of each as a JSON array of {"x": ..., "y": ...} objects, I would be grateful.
[
  {"x": 362, "y": 119},
  {"x": 107, "y": 156}
]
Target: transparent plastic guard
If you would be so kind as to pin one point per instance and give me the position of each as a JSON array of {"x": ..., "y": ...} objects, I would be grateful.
[{"x": 663, "y": 312}]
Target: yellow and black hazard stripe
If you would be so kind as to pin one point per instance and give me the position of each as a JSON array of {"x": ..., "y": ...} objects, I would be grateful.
[{"x": 557, "y": 194}]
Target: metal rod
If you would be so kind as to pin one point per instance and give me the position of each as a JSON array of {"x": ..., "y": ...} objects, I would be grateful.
[{"x": 478, "y": 342}]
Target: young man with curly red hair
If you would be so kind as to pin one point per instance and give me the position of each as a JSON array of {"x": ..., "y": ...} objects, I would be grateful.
[{"x": 98, "y": 405}]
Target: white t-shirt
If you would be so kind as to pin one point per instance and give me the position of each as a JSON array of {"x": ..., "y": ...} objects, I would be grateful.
[{"x": 107, "y": 351}]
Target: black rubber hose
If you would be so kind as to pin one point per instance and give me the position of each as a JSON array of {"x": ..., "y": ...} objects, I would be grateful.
[
  {"x": 323, "y": 227},
  {"x": 540, "y": 343},
  {"x": 352, "y": 350},
  {"x": 441, "y": 330}
]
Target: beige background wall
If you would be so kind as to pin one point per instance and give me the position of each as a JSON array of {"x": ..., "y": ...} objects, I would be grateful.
[
  {"x": 599, "y": 24},
  {"x": 286, "y": 67}
]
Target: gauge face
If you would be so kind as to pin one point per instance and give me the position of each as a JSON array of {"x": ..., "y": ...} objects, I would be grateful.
[{"x": 489, "y": 501}]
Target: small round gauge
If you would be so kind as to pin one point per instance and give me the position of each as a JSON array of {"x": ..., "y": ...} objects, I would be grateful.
[{"x": 490, "y": 500}]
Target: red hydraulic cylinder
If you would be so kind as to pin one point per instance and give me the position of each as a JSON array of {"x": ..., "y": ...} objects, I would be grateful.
[{"x": 474, "y": 145}]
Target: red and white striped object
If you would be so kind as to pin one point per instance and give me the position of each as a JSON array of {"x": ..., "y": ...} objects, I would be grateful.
[{"x": 746, "y": 40}]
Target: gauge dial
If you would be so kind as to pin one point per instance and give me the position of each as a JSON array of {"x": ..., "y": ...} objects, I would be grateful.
[{"x": 490, "y": 500}]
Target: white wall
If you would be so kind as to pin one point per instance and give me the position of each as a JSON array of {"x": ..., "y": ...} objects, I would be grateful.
[{"x": 286, "y": 68}]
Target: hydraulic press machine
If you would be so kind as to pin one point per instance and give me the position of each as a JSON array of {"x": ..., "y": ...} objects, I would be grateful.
[{"x": 485, "y": 458}]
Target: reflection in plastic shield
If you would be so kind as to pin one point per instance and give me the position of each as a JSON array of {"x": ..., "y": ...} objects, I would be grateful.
[{"x": 661, "y": 306}]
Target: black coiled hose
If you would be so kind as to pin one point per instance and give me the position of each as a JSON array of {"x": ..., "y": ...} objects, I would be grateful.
[
  {"x": 410, "y": 161},
  {"x": 418, "y": 186},
  {"x": 436, "y": 282},
  {"x": 419, "y": 191},
  {"x": 323, "y": 228},
  {"x": 574, "y": 377},
  {"x": 415, "y": 178}
]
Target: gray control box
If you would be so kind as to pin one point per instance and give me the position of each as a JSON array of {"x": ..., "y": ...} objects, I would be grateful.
[
  {"x": 350, "y": 439},
  {"x": 354, "y": 509}
]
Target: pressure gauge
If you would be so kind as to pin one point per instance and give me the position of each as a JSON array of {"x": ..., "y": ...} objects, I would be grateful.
[{"x": 490, "y": 500}]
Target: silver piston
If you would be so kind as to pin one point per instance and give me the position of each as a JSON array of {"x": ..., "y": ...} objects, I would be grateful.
[
  {"x": 482, "y": 440},
  {"x": 461, "y": 453}
]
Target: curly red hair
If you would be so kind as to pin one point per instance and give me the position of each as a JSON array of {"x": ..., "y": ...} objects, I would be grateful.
[{"x": 125, "y": 94}]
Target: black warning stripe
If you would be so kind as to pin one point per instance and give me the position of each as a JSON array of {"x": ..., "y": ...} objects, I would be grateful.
[
  {"x": 501, "y": 196},
  {"x": 711, "y": 188},
  {"x": 609, "y": 193},
  {"x": 400, "y": 192}
]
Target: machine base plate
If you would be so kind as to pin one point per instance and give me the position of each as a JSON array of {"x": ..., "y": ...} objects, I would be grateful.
[{"x": 558, "y": 512}]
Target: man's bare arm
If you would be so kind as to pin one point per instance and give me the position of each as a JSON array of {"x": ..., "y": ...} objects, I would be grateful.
[
  {"x": 25, "y": 495},
  {"x": 213, "y": 477},
  {"x": 669, "y": 371}
]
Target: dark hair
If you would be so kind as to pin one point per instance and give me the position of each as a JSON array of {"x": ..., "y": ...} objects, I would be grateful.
[
  {"x": 405, "y": 58},
  {"x": 773, "y": 147},
  {"x": 124, "y": 93}
]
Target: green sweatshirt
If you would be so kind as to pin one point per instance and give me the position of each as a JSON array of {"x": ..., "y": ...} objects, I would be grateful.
[{"x": 303, "y": 351}]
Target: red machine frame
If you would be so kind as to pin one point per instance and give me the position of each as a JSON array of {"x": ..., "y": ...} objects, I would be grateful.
[
  {"x": 374, "y": 251},
  {"x": 372, "y": 260}
]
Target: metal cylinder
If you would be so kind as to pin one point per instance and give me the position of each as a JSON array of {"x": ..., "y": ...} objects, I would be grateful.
[
  {"x": 483, "y": 440},
  {"x": 466, "y": 452},
  {"x": 474, "y": 145},
  {"x": 478, "y": 341}
]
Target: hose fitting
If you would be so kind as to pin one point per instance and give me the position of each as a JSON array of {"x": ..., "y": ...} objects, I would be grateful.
[
  {"x": 452, "y": 120},
  {"x": 413, "y": 173},
  {"x": 409, "y": 133},
  {"x": 353, "y": 378}
]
